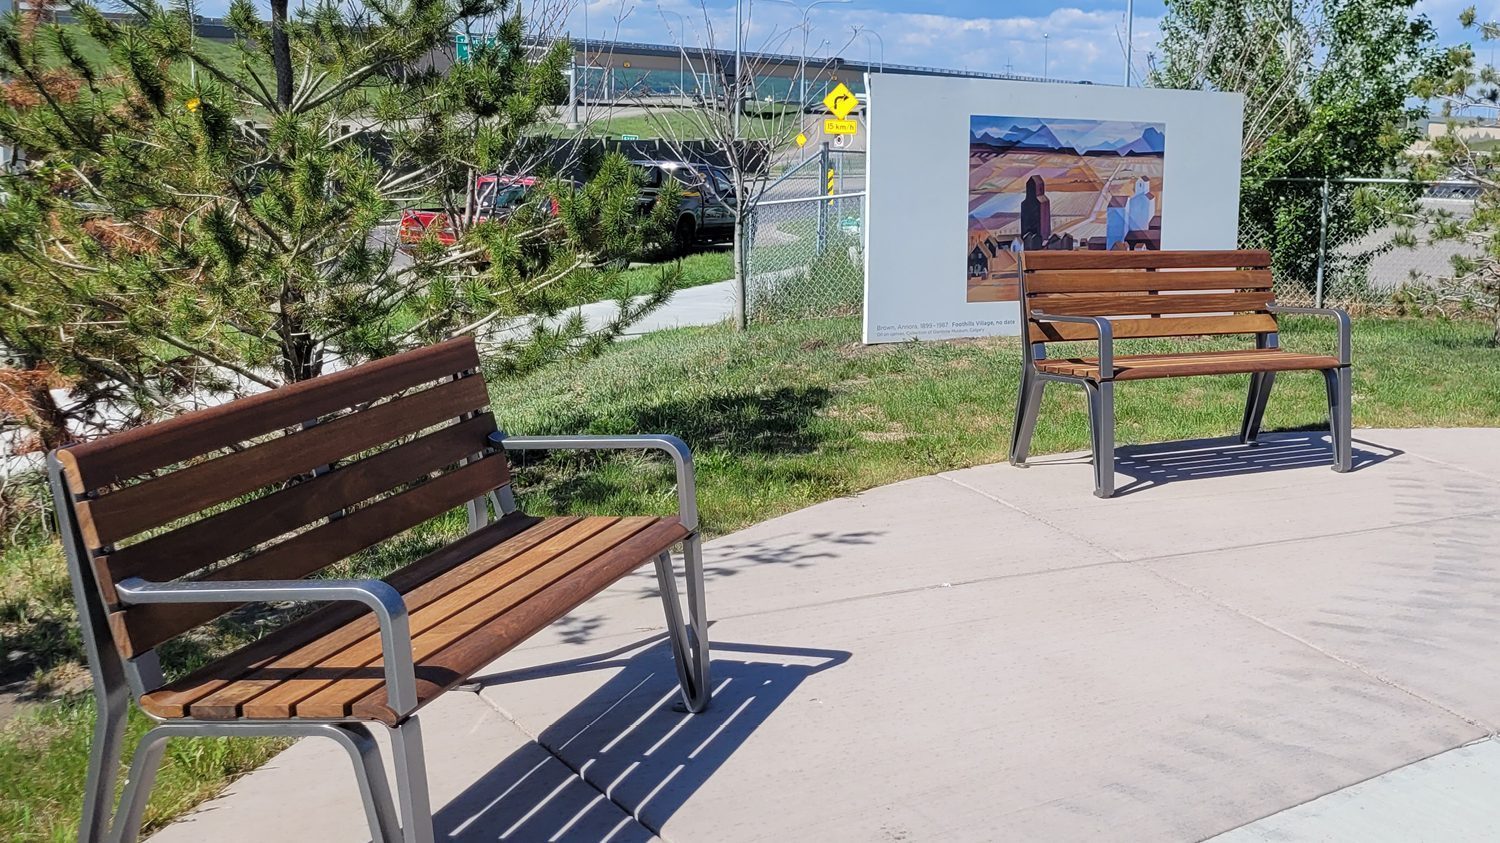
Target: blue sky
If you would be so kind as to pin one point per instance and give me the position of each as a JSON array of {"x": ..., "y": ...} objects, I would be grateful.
[
  {"x": 1077, "y": 39},
  {"x": 1083, "y": 38}
]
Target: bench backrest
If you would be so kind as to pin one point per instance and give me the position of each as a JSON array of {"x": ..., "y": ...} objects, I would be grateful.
[
  {"x": 1147, "y": 294},
  {"x": 278, "y": 485}
]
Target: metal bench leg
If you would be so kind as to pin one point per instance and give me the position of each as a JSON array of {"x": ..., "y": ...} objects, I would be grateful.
[
  {"x": 1027, "y": 405},
  {"x": 689, "y": 640},
  {"x": 411, "y": 782},
  {"x": 1102, "y": 429},
  {"x": 104, "y": 762},
  {"x": 374, "y": 790},
  {"x": 1255, "y": 406},
  {"x": 127, "y": 824},
  {"x": 1340, "y": 417}
]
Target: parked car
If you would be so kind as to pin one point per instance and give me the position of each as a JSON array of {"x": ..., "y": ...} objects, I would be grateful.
[
  {"x": 706, "y": 210},
  {"x": 499, "y": 197}
]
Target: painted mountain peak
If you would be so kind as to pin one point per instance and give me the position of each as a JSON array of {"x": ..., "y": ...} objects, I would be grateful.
[{"x": 1082, "y": 137}]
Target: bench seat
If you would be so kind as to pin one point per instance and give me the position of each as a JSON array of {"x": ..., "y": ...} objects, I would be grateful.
[
  {"x": 469, "y": 603},
  {"x": 1142, "y": 366},
  {"x": 1108, "y": 298},
  {"x": 277, "y": 498}
]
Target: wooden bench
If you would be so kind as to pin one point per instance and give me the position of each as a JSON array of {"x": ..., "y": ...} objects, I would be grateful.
[
  {"x": 169, "y": 526},
  {"x": 1102, "y": 297}
]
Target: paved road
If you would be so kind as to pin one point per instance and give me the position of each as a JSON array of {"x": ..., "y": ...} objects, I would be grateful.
[{"x": 994, "y": 654}]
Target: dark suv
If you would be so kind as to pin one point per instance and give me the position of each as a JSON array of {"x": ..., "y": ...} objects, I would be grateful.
[{"x": 706, "y": 211}]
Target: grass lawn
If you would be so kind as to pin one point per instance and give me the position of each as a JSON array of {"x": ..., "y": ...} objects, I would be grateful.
[
  {"x": 788, "y": 415},
  {"x": 221, "y": 54},
  {"x": 709, "y": 266},
  {"x": 681, "y": 124},
  {"x": 780, "y": 417}
]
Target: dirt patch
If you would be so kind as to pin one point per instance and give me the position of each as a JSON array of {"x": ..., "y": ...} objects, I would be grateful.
[{"x": 20, "y": 690}]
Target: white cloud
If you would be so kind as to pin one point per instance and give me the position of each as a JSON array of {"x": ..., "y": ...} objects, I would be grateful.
[{"x": 1078, "y": 44}]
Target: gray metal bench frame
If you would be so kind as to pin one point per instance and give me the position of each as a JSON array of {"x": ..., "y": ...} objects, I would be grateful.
[
  {"x": 117, "y": 680},
  {"x": 1101, "y": 392}
]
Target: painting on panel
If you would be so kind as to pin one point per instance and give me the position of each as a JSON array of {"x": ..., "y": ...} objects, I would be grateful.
[{"x": 1047, "y": 183}]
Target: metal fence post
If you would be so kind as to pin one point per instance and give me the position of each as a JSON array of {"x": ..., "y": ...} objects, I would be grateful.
[
  {"x": 1322, "y": 248},
  {"x": 823, "y": 159}
]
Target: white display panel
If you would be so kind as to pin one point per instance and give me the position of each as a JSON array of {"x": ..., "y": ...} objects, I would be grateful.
[{"x": 963, "y": 172}]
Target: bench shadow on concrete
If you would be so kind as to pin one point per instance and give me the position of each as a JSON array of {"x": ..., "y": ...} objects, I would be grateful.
[
  {"x": 629, "y": 740},
  {"x": 1157, "y": 464}
]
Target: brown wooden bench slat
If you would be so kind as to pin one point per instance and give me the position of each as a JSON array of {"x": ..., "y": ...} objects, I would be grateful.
[
  {"x": 277, "y": 680},
  {"x": 159, "y": 501},
  {"x": 478, "y": 647},
  {"x": 1146, "y": 328},
  {"x": 172, "y": 699},
  {"x": 310, "y": 670},
  {"x": 337, "y": 699},
  {"x": 94, "y": 465},
  {"x": 1141, "y": 367},
  {"x": 250, "y": 524},
  {"x": 282, "y": 485},
  {"x": 1149, "y": 305},
  {"x": 145, "y": 626},
  {"x": 1109, "y": 281},
  {"x": 1143, "y": 295},
  {"x": 1085, "y": 259}
]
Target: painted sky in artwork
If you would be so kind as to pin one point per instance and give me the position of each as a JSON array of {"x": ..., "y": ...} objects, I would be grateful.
[{"x": 1084, "y": 136}]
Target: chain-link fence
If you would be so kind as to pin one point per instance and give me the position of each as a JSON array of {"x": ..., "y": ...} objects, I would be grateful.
[
  {"x": 1354, "y": 243},
  {"x": 804, "y": 257}
]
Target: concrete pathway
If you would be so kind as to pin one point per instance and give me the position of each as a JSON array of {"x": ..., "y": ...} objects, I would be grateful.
[
  {"x": 994, "y": 654},
  {"x": 709, "y": 304}
]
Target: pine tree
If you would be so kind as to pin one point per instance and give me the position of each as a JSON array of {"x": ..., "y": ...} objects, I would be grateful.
[{"x": 184, "y": 224}]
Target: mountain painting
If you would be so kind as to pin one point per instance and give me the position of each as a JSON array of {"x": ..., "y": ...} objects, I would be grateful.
[{"x": 1046, "y": 183}]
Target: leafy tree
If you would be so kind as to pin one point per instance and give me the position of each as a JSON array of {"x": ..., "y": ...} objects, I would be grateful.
[
  {"x": 1328, "y": 88},
  {"x": 733, "y": 116},
  {"x": 185, "y": 225},
  {"x": 1461, "y": 84}
]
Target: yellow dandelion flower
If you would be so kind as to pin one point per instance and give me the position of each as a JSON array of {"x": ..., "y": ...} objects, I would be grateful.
[{"x": 192, "y": 104}]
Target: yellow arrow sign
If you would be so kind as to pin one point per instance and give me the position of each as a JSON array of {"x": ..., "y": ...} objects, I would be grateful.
[
  {"x": 841, "y": 101},
  {"x": 801, "y": 139}
]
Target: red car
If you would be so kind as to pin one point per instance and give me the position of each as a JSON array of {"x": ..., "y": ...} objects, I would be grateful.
[{"x": 499, "y": 197}]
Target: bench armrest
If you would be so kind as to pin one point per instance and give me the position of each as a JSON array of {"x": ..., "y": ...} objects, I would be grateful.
[
  {"x": 682, "y": 457},
  {"x": 1336, "y": 313},
  {"x": 1106, "y": 336},
  {"x": 381, "y": 597}
]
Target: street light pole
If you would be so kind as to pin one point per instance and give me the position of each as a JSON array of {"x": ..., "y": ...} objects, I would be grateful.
[
  {"x": 1129, "y": 37},
  {"x": 867, "y": 32},
  {"x": 681, "y": 49},
  {"x": 1046, "y": 37},
  {"x": 583, "y": 90},
  {"x": 805, "y": 27},
  {"x": 739, "y": 35}
]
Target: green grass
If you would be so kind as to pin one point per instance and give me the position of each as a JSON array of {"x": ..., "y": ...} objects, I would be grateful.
[
  {"x": 698, "y": 268},
  {"x": 44, "y": 754},
  {"x": 681, "y": 124},
  {"x": 221, "y": 54},
  {"x": 779, "y": 417},
  {"x": 791, "y": 414}
]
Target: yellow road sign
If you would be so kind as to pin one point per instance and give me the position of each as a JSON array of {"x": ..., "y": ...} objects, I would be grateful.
[
  {"x": 801, "y": 139},
  {"x": 841, "y": 101},
  {"x": 840, "y": 127}
]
